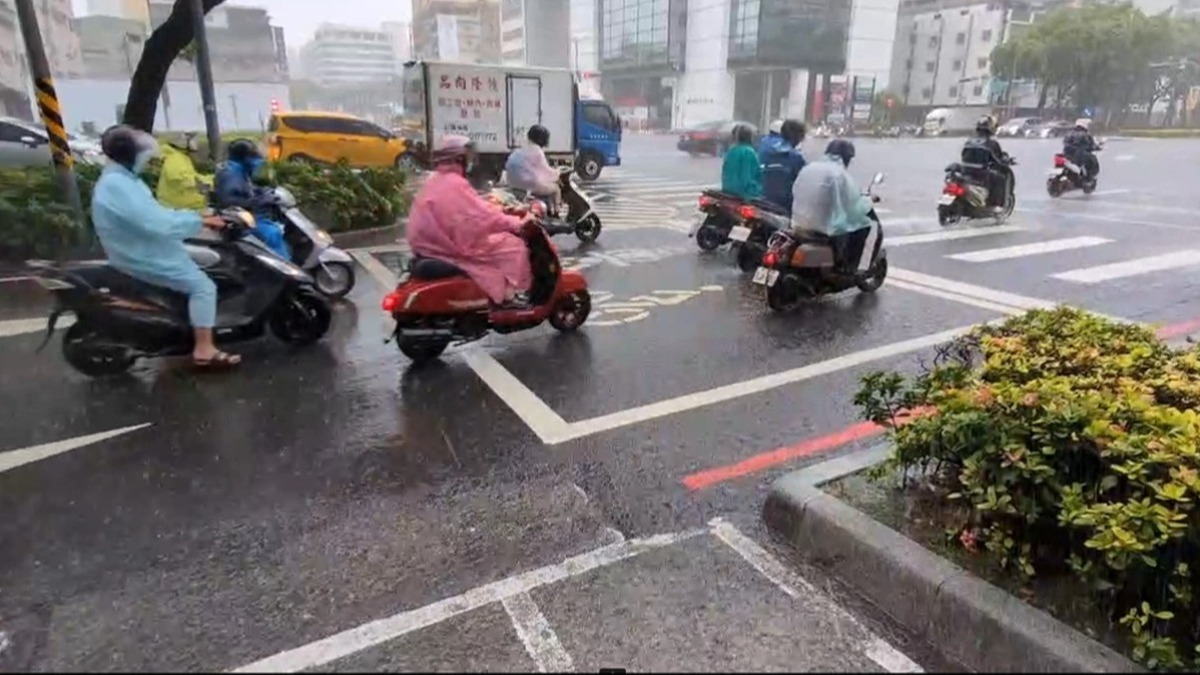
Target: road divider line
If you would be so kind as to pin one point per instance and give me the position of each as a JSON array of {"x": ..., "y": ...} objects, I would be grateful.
[
  {"x": 14, "y": 458},
  {"x": 536, "y": 634},
  {"x": 377, "y": 632},
  {"x": 1178, "y": 330},
  {"x": 1025, "y": 250},
  {"x": 533, "y": 411},
  {"x": 1130, "y": 268},
  {"x": 799, "y": 588},
  {"x": 954, "y": 297},
  {"x": 13, "y": 327},
  {"x": 946, "y": 235},
  {"x": 1060, "y": 213},
  {"x": 378, "y": 271},
  {"x": 970, "y": 290}
]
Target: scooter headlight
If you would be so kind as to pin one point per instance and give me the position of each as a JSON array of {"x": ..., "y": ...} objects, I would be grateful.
[
  {"x": 323, "y": 238},
  {"x": 284, "y": 267}
]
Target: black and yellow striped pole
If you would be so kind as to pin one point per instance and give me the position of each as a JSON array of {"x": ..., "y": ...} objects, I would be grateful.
[{"x": 47, "y": 99}]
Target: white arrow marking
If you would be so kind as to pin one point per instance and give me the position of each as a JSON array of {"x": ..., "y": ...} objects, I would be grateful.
[{"x": 14, "y": 458}]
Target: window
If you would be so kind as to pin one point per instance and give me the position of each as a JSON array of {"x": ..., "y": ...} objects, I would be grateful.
[
  {"x": 983, "y": 62},
  {"x": 743, "y": 33},
  {"x": 957, "y": 64},
  {"x": 599, "y": 115},
  {"x": 926, "y": 93},
  {"x": 954, "y": 91},
  {"x": 960, "y": 39},
  {"x": 979, "y": 90},
  {"x": 929, "y": 66},
  {"x": 986, "y": 36},
  {"x": 912, "y": 38},
  {"x": 908, "y": 64},
  {"x": 933, "y": 41}
]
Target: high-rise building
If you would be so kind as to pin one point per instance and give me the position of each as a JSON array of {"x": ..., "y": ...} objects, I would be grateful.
[
  {"x": 132, "y": 10},
  {"x": 340, "y": 54},
  {"x": 535, "y": 33},
  {"x": 241, "y": 40},
  {"x": 584, "y": 59},
  {"x": 62, "y": 50},
  {"x": 467, "y": 31},
  {"x": 400, "y": 33}
]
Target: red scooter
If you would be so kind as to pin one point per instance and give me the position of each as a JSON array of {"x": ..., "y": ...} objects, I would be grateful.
[{"x": 436, "y": 304}]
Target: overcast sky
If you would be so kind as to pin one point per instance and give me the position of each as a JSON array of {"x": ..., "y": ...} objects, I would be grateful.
[{"x": 300, "y": 18}]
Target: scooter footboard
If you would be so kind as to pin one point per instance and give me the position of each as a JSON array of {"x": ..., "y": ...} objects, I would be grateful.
[{"x": 144, "y": 330}]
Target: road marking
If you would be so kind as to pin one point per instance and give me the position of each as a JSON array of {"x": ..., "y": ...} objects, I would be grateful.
[
  {"x": 13, "y": 327},
  {"x": 379, "y": 631},
  {"x": 1179, "y": 329},
  {"x": 971, "y": 290},
  {"x": 533, "y": 411},
  {"x": 948, "y": 235},
  {"x": 1023, "y": 250},
  {"x": 1123, "y": 158},
  {"x": 955, "y": 297},
  {"x": 536, "y": 634},
  {"x": 14, "y": 458},
  {"x": 1060, "y": 213},
  {"x": 1129, "y": 268},
  {"x": 376, "y": 269},
  {"x": 791, "y": 583}
]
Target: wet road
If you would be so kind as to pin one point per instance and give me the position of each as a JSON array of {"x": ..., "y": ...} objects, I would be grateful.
[{"x": 535, "y": 500}]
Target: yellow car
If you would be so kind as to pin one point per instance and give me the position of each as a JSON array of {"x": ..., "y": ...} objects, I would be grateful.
[{"x": 329, "y": 137}]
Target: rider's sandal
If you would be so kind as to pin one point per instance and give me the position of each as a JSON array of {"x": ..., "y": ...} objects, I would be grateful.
[{"x": 220, "y": 360}]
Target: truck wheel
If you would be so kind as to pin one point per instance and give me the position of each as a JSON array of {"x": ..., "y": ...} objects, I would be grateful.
[{"x": 589, "y": 166}]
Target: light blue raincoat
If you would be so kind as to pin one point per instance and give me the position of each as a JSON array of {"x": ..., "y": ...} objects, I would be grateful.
[
  {"x": 144, "y": 239},
  {"x": 826, "y": 199}
]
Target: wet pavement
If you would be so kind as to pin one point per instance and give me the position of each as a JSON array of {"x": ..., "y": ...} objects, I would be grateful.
[{"x": 520, "y": 504}]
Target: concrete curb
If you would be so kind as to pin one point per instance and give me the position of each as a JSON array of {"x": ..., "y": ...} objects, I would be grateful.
[{"x": 969, "y": 620}]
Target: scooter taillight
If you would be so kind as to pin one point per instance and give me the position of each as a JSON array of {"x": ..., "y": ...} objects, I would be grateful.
[
  {"x": 748, "y": 212},
  {"x": 390, "y": 302},
  {"x": 955, "y": 189},
  {"x": 1059, "y": 161},
  {"x": 770, "y": 259},
  {"x": 707, "y": 202}
]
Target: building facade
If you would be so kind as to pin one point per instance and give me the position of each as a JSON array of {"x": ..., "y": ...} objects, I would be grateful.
[
  {"x": 584, "y": 56},
  {"x": 62, "y": 50},
  {"x": 347, "y": 54},
  {"x": 400, "y": 34},
  {"x": 132, "y": 10},
  {"x": 943, "y": 52},
  {"x": 242, "y": 44},
  {"x": 535, "y": 33},
  {"x": 466, "y": 31}
]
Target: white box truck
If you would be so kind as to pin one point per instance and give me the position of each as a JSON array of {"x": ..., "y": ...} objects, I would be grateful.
[
  {"x": 954, "y": 121},
  {"x": 494, "y": 106}
]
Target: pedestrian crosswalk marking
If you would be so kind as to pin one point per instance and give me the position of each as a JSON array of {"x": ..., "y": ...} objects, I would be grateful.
[
  {"x": 948, "y": 235},
  {"x": 1036, "y": 248},
  {"x": 1129, "y": 268}
]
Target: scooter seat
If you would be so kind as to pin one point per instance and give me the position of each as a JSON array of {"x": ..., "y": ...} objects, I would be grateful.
[
  {"x": 717, "y": 194},
  {"x": 105, "y": 278},
  {"x": 432, "y": 268},
  {"x": 203, "y": 256},
  {"x": 769, "y": 206}
]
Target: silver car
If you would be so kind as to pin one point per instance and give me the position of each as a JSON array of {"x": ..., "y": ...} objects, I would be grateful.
[{"x": 26, "y": 144}]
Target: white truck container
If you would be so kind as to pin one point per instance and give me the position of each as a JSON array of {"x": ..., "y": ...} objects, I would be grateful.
[
  {"x": 953, "y": 121},
  {"x": 493, "y": 105}
]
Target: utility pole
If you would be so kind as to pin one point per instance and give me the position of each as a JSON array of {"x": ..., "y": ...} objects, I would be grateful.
[
  {"x": 51, "y": 112},
  {"x": 204, "y": 74}
]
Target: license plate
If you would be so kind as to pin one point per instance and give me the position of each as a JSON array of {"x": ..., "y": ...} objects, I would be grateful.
[
  {"x": 697, "y": 221},
  {"x": 1057, "y": 173},
  {"x": 739, "y": 233},
  {"x": 946, "y": 200},
  {"x": 765, "y": 276}
]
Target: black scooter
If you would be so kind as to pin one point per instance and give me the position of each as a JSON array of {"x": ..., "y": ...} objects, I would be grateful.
[
  {"x": 965, "y": 194},
  {"x": 1068, "y": 175},
  {"x": 119, "y": 319}
]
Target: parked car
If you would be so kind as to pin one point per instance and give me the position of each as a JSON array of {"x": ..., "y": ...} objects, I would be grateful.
[
  {"x": 711, "y": 138},
  {"x": 25, "y": 143},
  {"x": 1052, "y": 129},
  {"x": 1017, "y": 126},
  {"x": 330, "y": 137}
]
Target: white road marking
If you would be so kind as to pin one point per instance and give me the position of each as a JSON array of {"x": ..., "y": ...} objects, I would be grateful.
[
  {"x": 954, "y": 297},
  {"x": 1129, "y": 268},
  {"x": 376, "y": 269},
  {"x": 1036, "y": 248},
  {"x": 1117, "y": 191},
  {"x": 1061, "y": 213},
  {"x": 536, "y": 634},
  {"x": 379, "y": 631},
  {"x": 1123, "y": 158},
  {"x": 791, "y": 583},
  {"x": 14, "y": 458},
  {"x": 947, "y": 235},
  {"x": 971, "y": 290},
  {"x": 22, "y": 326},
  {"x": 533, "y": 411}
]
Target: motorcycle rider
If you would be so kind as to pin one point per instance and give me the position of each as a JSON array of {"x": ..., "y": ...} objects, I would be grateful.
[
  {"x": 827, "y": 200},
  {"x": 983, "y": 149},
  {"x": 180, "y": 186},
  {"x": 450, "y": 221},
  {"x": 1080, "y": 147},
  {"x": 775, "y": 131},
  {"x": 235, "y": 188},
  {"x": 781, "y": 162},
  {"x": 144, "y": 239},
  {"x": 528, "y": 169},
  {"x": 741, "y": 173}
]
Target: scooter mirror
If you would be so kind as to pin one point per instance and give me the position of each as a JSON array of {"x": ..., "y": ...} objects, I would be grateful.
[{"x": 878, "y": 179}]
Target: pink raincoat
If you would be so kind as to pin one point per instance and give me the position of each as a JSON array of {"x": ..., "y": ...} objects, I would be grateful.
[{"x": 450, "y": 222}]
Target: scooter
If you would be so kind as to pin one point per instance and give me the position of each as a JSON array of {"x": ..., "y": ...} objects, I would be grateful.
[
  {"x": 798, "y": 267},
  {"x": 580, "y": 218},
  {"x": 717, "y": 214},
  {"x": 965, "y": 194},
  {"x": 436, "y": 304},
  {"x": 762, "y": 219},
  {"x": 1067, "y": 176},
  {"x": 119, "y": 319}
]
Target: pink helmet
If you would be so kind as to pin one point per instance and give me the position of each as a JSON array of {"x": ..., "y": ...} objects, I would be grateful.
[{"x": 451, "y": 147}]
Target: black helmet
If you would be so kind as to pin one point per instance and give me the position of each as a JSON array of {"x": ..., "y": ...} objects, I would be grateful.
[
  {"x": 986, "y": 126},
  {"x": 243, "y": 150},
  {"x": 742, "y": 134},
  {"x": 840, "y": 147},
  {"x": 123, "y": 143},
  {"x": 793, "y": 131},
  {"x": 539, "y": 135}
]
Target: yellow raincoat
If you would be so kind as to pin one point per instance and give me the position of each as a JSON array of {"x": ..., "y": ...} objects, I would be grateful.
[{"x": 177, "y": 182}]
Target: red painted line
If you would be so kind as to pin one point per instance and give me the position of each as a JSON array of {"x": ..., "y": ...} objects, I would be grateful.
[
  {"x": 1176, "y": 330},
  {"x": 813, "y": 446}
]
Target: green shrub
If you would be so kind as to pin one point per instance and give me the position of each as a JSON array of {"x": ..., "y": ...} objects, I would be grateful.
[
  {"x": 343, "y": 198},
  {"x": 1074, "y": 442}
]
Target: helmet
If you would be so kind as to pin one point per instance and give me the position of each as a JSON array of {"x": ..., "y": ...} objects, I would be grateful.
[
  {"x": 126, "y": 145},
  {"x": 793, "y": 131},
  {"x": 742, "y": 134},
  {"x": 840, "y": 147},
  {"x": 776, "y": 127},
  {"x": 1084, "y": 123},
  {"x": 986, "y": 125},
  {"x": 452, "y": 147},
  {"x": 539, "y": 135},
  {"x": 243, "y": 150}
]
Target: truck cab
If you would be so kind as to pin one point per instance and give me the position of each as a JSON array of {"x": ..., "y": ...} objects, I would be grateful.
[{"x": 597, "y": 138}]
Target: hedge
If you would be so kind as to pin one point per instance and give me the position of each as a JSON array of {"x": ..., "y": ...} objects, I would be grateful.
[
  {"x": 1161, "y": 133},
  {"x": 1073, "y": 442},
  {"x": 35, "y": 223}
]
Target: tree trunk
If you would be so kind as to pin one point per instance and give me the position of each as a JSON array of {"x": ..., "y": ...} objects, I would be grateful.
[
  {"x": 1042, "y": 95},
  {"x": 160, "y": 51}
]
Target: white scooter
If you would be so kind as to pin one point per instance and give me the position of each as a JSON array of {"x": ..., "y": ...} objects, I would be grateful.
[{"x": 313, "y": 251}]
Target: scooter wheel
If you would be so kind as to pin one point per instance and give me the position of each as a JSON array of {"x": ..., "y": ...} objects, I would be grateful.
[
  {"x": 748, "y": 257},
  {"x": 708, "y": 238},
  {"x": 785, "y": 294},
  {"x": 334, "y": 279},
  {"x": 570, "y": 311},
  {"x": 83, "y": 349},
  {"x": 1089, "y": 187},
  {"x": 422, "y": 351},
  {"x": 948, "y": 216},
  {"x": 878, "y": 274},
  {"x": 1053, "y": 188},
  {"x": 588, "y": 229},
  {"x": 301, "y": 319}
]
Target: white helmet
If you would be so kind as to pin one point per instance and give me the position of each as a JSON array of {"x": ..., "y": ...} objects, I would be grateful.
[
  {"x": 776, "y": 127},
  {"x": 1084, "y": 123}
]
